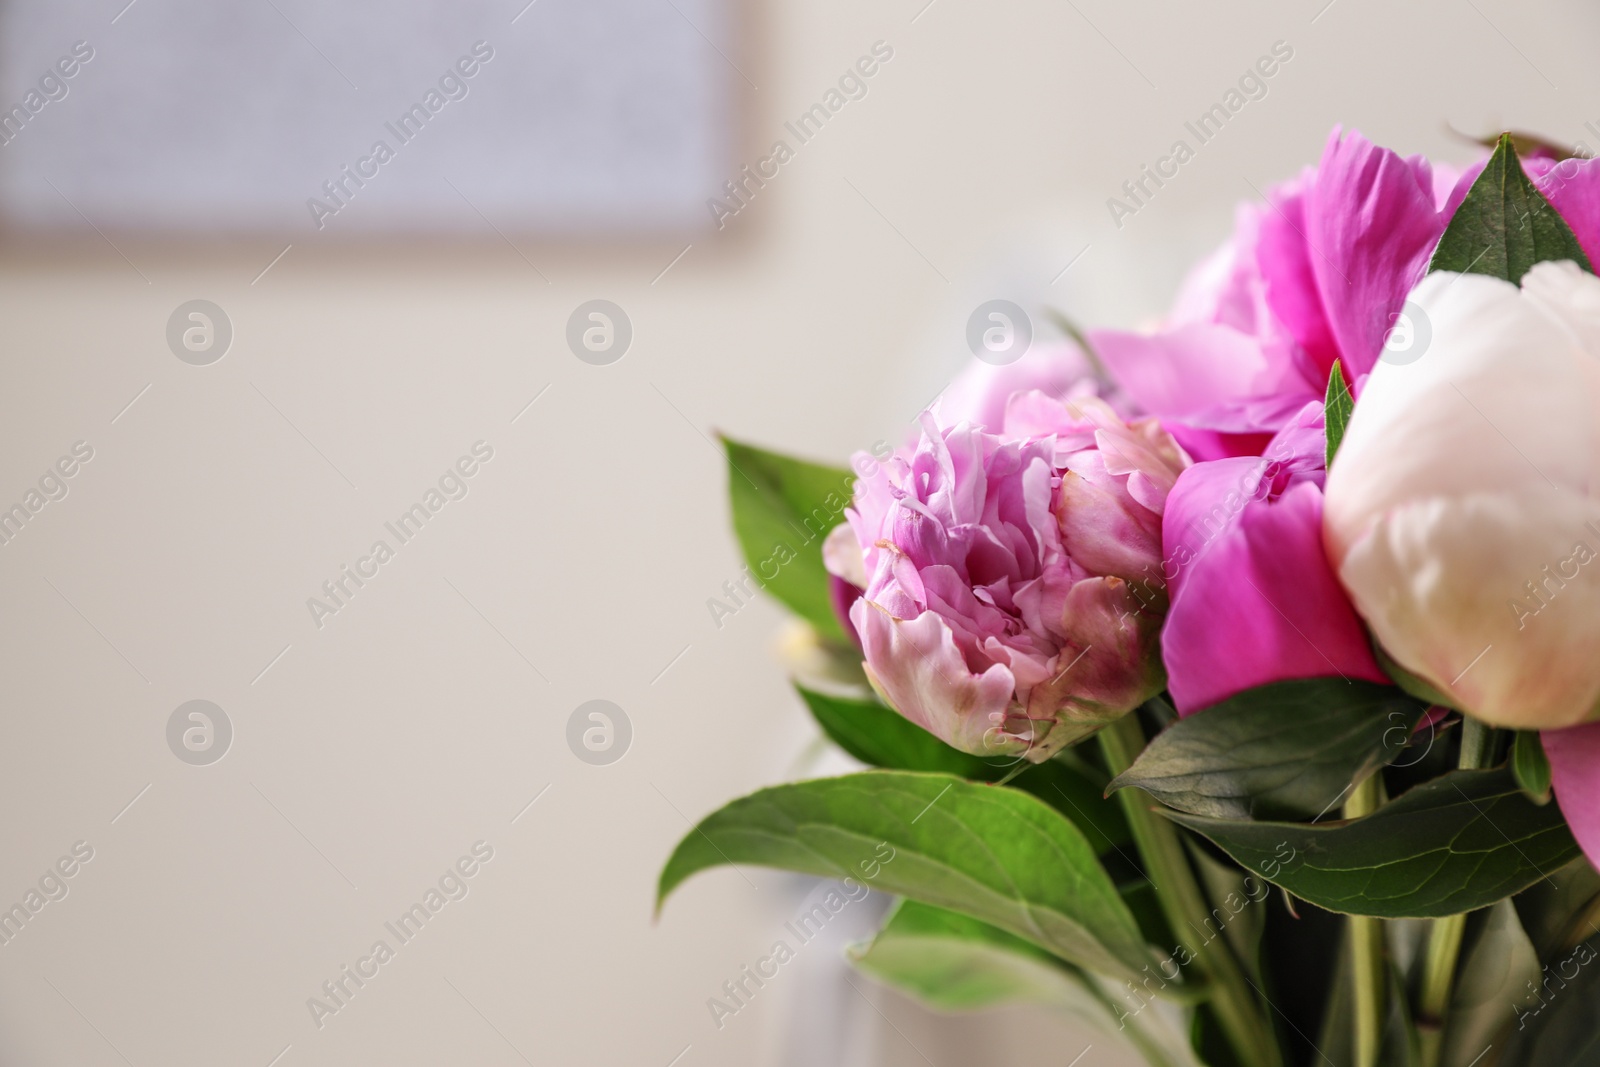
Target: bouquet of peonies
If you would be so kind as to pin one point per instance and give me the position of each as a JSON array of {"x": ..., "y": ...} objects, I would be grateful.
[{"x": 1236, "y": 685}]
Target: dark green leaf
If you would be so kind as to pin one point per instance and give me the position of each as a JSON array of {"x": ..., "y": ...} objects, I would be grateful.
[
  {"x": 1337, "y": 406},
  {"x": 1458, "y": 843},
  {"x": 1532, "y": 768},
  {"x": 992, "y": 853},
  {"x": 783, "y": 508},
  {"x": 1505, "y": 226},
  {"x": 1497, "y": 965},
  {"x": 1277, "y": 751},
  {"x": 1556, "y": 910},
  {"x": 881, "y": 737}
]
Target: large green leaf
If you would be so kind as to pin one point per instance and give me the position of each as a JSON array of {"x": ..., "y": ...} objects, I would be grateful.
[
  {"x": 783, "y": 508},
  {"x": 881, "y": 737},
  {"x": 1498, "y": 965},
  {"x": 953, "y": 962},
  {"x": 1559, "y": 1026},
  {"x": 993, "y": 853},
  {"x": 1277, "y": 751},
  {"x": 1458, "y": 843},
  {"x": 1505, "y": 225},
  {"x": 1556, "y": 910}
]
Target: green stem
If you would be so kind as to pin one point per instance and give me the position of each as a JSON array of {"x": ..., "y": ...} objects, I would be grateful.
[
  {"x": 1477, "y": 743},
  {"x": 1232, "y": 997},
  {"x": 1444, "y": 939},
  {"x": 1366, "y": 947}
]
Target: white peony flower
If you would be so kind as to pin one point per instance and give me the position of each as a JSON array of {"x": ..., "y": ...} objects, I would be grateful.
[{"x": 1463, "y": 507}]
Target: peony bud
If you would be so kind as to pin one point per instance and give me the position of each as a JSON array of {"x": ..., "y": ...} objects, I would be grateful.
[
  {"x": 1463, "y": 508},
  {"x": 1005, "y": 607}
]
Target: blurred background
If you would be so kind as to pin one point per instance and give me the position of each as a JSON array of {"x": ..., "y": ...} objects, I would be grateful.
[{"x": 242, "y": 342}]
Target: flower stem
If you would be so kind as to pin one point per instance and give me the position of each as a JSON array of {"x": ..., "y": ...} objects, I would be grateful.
[
  {"x": 1444, "y": 939},
  {"x": 1366, "y": 947},
  {"x": 1232, "y": 996}
]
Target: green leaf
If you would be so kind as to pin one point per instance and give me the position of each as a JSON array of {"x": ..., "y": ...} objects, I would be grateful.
[
  {"x": 1277, "y": 751},
  {"x": 1414, "y": 684},
  {"x": 1558, "y": 1027},
  {"x": 953, "y": 962},
  {"x": 1557, "y": 910},
  {"x": 1236, "y": 910},
  {"x": 783, "y": 508},
  {"x": 1458, "y": 843},
  {"x": 995, "y": 854},
  {"x": 1531, "y": 767},
  {"x": 1336, "y": 406},
  {"x": 1505, "y": 225},
  {"x": 1498, "y": 964},
  {"x": 881, "y": 737}
]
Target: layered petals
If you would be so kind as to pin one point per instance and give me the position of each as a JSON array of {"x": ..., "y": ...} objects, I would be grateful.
[
  {"x": 1463, "y": 511},
  {"x": 979, "y": 619},
  {"x": 1254, "y": 599}
]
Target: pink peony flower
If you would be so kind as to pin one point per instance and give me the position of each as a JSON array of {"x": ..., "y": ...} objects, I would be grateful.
[
  {"x": 1254, "y": 599},
  {"x": 1316, "y": 274},
  {"x": 980, "y": 393},
  {"x": 1004, "y": 609}
]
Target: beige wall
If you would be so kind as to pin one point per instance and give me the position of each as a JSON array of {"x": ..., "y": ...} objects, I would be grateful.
[{"x": 380, "y": 747}]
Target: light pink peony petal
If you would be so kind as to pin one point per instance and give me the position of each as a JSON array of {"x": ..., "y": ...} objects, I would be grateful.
[
  {"x": 979, "y": 394},
  {"x": 917, "y": 669},
  {"x": 841, "y": 556},
  {"x": 1104, "y": 529}
]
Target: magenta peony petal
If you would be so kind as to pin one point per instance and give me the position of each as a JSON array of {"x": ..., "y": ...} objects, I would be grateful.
[
  {"x": 1254, "y": 599},
  {"x": 1573, "y": 188},
  {"x": 1371, "y": 225},
  {"x": 1187, "y": 370},
  {"x": 1574, "y": 755}
]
